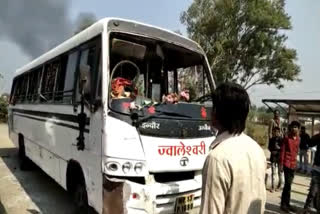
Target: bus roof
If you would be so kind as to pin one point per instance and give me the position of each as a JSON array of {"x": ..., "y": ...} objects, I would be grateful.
[{"x": 105, "y": 23}]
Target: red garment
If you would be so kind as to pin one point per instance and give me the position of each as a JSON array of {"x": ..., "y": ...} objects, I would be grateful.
[
  {"x": 119, "y": 81},
  {"x": 289, "y": 151}
]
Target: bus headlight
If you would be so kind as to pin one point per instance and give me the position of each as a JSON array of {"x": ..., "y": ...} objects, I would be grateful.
[
  {"x": 126, "y": 167},
  {"x": 138, "y": 167},
  {"x": 113, "y": 166}
]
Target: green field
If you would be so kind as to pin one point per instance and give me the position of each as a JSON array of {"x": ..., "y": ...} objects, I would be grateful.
[{"x": 258, "y": 132}]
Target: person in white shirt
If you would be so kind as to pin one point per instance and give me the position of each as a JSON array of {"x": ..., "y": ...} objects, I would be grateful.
[{"x": 234, "y": 171}]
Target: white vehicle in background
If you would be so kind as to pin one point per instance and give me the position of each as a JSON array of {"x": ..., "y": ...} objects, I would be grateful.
[{"x": 106, "y": 116}]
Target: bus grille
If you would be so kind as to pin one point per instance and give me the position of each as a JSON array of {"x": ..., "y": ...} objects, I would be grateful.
[
  {"x": 165, "y": 203},
  {"x": 165, "y": 177}
]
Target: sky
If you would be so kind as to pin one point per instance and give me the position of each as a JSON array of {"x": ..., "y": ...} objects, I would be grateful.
[{"x": 60, "y": 14}]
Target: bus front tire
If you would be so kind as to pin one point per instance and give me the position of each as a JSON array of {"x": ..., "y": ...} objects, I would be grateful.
[
  {"x": 76, "y": 186},
  {"x": 80, "y": 198}
]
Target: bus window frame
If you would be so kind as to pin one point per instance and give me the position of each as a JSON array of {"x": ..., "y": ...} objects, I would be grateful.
[{"x": 95, "y": 42}]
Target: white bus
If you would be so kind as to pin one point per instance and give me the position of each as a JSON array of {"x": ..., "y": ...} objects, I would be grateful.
[{"x": 118, "y": 116}]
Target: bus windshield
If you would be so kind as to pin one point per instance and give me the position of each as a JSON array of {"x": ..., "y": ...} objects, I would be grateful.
[{"x": 157, "y": 78}]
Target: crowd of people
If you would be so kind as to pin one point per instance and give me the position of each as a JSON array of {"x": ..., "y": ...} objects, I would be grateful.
[
  {"x": 234, "y": 171},
  {"x": 284, "y": 149}
]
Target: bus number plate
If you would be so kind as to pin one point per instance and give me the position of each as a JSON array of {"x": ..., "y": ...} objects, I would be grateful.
[{"x": 184, "y": 204}]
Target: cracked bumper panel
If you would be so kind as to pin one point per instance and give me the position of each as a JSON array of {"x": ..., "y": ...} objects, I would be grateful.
[{"x": 126, "y": 197}]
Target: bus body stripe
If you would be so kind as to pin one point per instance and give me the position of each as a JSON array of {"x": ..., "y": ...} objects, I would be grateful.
[
  {"x": 54, "y": 122},
  {"x": 65, "y": 117}
]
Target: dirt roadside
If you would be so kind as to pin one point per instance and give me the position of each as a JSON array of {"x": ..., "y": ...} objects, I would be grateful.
[
  {"x": 30, "y": 192},
  {"x": 34, "y": 192}
]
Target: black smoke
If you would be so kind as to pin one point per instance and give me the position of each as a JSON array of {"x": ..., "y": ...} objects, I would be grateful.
[{"x": 35, "y": 25}]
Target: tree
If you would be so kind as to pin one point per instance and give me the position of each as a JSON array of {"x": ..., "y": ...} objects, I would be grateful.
[
  {"x": 3, "y": 108},
  {"x": 244, "y": 40},
  {"x": 84, "y": 21}
]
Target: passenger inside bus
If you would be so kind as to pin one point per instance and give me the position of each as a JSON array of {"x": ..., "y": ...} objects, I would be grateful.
[
  {"x": 118, "y": 88},
  {"x": 171, "y": 98},
  {"x": 156, "y": 74},
  {"x": 184, "y": 95}
]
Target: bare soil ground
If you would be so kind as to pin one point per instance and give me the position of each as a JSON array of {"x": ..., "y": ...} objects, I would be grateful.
[{"x": 34, "y": 192}]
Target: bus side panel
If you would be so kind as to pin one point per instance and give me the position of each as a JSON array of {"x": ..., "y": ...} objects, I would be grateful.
[
  {"x": 90, "y": 160},
  {"x": 33, "y": 152},
  {"x": 14, "y": 138},
  {"x": 51, "y": 142},
  {"x": 41, "y": 143},
  {"x": 25, "y": 127},
  {"x": 63, "y": 172},
  {"x": 15, "y": 130},
  {"x": 51, "y": 164}
]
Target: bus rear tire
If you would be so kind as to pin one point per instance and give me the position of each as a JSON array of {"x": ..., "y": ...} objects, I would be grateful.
[{"x": 25, "y": 162}]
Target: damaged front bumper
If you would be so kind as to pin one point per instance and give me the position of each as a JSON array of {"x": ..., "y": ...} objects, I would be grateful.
[{"x": 124, "y": 196}]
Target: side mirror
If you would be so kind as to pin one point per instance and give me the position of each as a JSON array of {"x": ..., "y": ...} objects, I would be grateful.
[
  {"x": 135, "y": 118},
  {"x": 84, "y": 80}
]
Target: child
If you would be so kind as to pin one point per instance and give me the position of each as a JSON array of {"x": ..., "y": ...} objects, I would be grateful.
[{"x": 274, "y": 148}]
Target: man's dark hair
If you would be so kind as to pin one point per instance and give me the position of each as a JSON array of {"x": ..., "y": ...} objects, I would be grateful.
[
  {"x": 294, "y": 123},
  {"x": 303, "y": 128},
  {"x": 231, "y": 103},
  {"x": 276, "y": 128}
]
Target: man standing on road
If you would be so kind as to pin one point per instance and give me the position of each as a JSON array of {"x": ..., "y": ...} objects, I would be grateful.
[
  {"x": 288, "y": 163},
  {"x": 303, "y": 154},
  {"x": 234, "y": 171},
  {"x": 275, "y": 122},
  {"x": 315, "y": 173}
]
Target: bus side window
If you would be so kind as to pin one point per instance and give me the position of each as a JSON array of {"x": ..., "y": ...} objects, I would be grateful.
[
  {"x": 49, "y": 80},
  {"x": 18, "y": 90},
  {"x": 87, "y": 58},
  {"x": 24, "y": 88},
  {"x": 13, "y": 94},
  {"x": 35, "y": 93},
  {"x": 99, "y": 78},
  {"x": 59, "y": 92},
  {"x": 34, "y": 79},
  {"x": 69, "y": 77},
  {"x": 29, "y": 75}
]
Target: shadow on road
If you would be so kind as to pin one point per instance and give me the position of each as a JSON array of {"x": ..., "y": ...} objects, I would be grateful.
[
  {"x": 271, "y": 208},
  {"x": 44, "y": 192}
]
